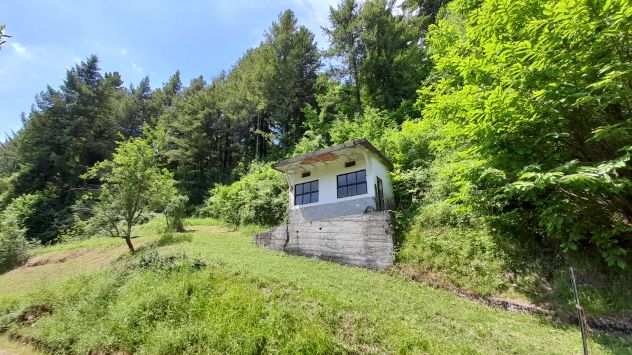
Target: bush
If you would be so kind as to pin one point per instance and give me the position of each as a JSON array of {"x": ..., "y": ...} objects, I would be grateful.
[
  {"x": 259, "y": 197},
  {"x": 175, "y": 212},
  {"x": 13, "y": 243}
]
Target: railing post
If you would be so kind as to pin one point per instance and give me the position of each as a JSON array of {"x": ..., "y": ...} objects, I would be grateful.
[{"x": 580, "y": 313}]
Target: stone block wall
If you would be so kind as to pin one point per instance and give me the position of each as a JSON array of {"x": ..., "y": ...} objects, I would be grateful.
[{"x": 361, "y": 239}]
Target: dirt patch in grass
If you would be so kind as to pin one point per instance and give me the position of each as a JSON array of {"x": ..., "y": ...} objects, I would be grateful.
[
  {"x": 54, "y": 258},
  {"x": 50, "y": 268},
  {"x": 32, "y": 313}
]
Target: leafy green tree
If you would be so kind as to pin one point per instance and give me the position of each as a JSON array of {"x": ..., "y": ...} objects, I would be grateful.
[
  {"x": 14, "y": 246},
  {"x": 374, "y": 125},
  {"x": 164, "y": 97},
  {"x": 535, "y": 95},
  {"x": 175, "y": 212},
  {"x": 131, "y": 186},
  {"x": 200, "y": 145},
  {"x": 243, "y": 99}
]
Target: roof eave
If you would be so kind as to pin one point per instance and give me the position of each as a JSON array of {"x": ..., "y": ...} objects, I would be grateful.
[{"x": 349, "y": 144}]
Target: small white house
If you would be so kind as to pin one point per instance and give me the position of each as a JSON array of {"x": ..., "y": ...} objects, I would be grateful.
[
  {"x": 339, "y": 197},
  {"x": 344, "y": 179}
]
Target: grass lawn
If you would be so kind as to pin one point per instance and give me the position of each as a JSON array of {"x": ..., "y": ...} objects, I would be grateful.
[{"x": 257, "y": 298}]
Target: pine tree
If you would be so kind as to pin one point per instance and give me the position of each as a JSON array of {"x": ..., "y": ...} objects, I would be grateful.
[
  {"x": 394, "y": 63},
  {"x": 136, "y": 109},
  {"x": 70, "y": 129},
  {"x": 296, "y": 61},
  {"x": 345, "y": 43}
]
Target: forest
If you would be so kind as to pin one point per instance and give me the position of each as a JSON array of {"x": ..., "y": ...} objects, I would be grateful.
[{"x": 509, "y": 123}]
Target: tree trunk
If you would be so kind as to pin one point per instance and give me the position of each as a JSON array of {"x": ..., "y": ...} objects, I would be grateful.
[
  {"x": 356, "y": 79},
  {"x": 128, "y": 240}
]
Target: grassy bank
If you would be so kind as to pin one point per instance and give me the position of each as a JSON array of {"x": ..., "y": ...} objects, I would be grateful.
[
  {"x": 219, "y": 293},
  {"x": 492, "y": 265}
]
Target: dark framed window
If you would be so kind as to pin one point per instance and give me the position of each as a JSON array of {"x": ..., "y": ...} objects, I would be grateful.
[
  {"x": 351, "y": 184},
  {"x": 306, "y": 193}
]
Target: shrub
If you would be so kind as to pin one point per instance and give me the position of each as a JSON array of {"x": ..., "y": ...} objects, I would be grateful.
[
  {"x": 175, "y": 212},
  {"x": 13, "y": 243},
  {"x": 259, "y": 197}
]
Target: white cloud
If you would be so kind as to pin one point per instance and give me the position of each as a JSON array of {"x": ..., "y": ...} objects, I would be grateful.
[
  {"x": 315, "y": 14},
  {"x": 123, "y": 51},
  {"x": 137, "y": 68},
  {"x": 319, "y": 9},
  {"x": 20, "y": 50}
]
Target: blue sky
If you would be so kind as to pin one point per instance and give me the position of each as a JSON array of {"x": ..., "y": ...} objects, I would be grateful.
[{"x": 137, "y": 38}]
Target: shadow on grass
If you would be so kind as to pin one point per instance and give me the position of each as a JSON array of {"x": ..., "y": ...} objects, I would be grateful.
[
  {"x": 617, "y": 344},
  {"x": 171, "y": 239}
]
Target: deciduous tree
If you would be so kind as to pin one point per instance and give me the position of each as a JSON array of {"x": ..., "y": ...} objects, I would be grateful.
[{"x": 131, "y": 185}]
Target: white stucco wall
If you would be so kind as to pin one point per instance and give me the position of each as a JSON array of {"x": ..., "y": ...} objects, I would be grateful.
[{"x": 326, "y": 176}]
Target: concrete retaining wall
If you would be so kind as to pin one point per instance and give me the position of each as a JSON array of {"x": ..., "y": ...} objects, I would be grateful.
[{"x": 360, "y": 239}]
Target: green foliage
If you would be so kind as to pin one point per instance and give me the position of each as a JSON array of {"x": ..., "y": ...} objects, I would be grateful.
[
  {"x": 175, "y": 212},
  {"x": 206, "y": 132},
  {"x": 197, "y": 144},
  {"x": 131, "y": 186},
  {"x": 259, "y": 197},
  {"x": 309, "y": 143},
  {"x": 137, "y": 109},
  {"x": 296, "y": 59},
  {"x": 394, "y": 63},
  {"x": 528, "y": 99},
  {"x": 68, "y": 130},
  {"x": 374, "y": 125},
  {"x": 14, "y": 247},
  {"x": 345, "y": 44},
  {"x": 378, "y": 52}
]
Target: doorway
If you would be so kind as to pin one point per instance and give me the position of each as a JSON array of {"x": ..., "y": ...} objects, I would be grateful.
[{"x": 379, "y": 195}]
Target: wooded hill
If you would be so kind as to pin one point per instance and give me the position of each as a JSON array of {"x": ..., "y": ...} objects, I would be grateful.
[{"x": 509, "y": 123}]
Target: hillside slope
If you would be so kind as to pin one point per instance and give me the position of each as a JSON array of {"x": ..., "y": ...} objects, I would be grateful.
[{"x": 233, "y": 297}]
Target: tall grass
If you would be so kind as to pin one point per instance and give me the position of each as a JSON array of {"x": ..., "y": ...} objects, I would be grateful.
[
  {"x": 173, "y": 305},
  {"x": 252, "y": 300}
]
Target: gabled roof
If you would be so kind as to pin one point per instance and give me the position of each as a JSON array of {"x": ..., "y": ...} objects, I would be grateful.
[{"x": 329, "y": 153}]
